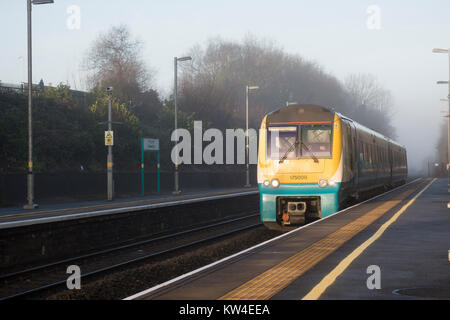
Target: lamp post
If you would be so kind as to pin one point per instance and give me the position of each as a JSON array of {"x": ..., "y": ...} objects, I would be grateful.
[
  {"x": 247, "y": 91},
  {"x": 30, "y": 177},
  {"x": 175, "y": 93},
  {"x": 447, "y": 51},
  {"x": 110, "y": 159}
]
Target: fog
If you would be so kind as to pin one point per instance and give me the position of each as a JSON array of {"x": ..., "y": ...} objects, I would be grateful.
[{"x": 392, "y": 41}]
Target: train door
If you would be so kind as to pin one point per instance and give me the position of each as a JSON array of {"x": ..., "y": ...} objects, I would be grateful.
[{"x": 355, "y": 155}]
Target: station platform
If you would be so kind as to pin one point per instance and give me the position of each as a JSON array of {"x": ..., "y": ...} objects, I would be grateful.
[
  {"x": 13, "y": 214},
  {"x": 395, "y": 246}
]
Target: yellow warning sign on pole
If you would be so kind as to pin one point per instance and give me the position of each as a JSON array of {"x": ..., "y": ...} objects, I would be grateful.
[{"x": 109, "y": 138}]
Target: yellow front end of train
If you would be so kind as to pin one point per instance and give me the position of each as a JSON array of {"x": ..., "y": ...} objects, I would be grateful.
[{"x": 300, "y": 165}]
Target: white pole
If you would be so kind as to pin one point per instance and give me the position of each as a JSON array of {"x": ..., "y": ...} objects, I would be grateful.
[
  {"x": 175, "y": 93},
  {"x": 247, "y": 185}
]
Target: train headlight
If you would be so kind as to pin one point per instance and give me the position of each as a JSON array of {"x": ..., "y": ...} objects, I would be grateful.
[
  {"x": 266, "y": 183},
  {"x": 332, "y": 183},
  {"x": 323, "y": 183},
  {"x": 275, "y": 183}
]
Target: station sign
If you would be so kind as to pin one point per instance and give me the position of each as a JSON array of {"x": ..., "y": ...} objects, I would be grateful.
[
  {"x": 151, "y": 144},
  {"x": 109, "y": 138}
]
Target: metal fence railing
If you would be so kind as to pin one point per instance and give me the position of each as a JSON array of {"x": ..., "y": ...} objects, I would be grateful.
[{"x": 79, "y": 186}]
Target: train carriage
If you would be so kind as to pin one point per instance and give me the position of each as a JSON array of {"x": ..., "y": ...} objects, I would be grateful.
[{"x": 311, "y": 160}]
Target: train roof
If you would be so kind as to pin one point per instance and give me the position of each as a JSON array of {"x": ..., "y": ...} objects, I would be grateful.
[
  {"x": 370, "y": 131},
  {"x": 316, "y": 113},
  {"x": 307, "y": 113}
]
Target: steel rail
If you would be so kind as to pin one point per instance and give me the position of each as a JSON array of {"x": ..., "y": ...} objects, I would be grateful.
[{"x": 129, "y": 261}]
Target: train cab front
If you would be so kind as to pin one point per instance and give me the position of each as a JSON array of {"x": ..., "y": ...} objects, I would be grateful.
[{"x": 299, "y": 170}]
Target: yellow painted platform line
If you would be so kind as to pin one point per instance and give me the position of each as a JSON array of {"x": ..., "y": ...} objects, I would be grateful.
[
  {"x": 329, "y": 279},
  {"x": 277, "y": 278}
]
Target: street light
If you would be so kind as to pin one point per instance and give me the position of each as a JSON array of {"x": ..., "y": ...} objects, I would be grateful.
[
  {"x": 110, "y": 159},
  {"x": 30, "y": 177},
  {"x": 247, "y": 90},
  {"x": 175, "y": 93},
  {"x": 447, "y": 51}
]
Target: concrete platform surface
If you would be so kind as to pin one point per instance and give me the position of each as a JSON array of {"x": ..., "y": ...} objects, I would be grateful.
[
  {"x": 408, "y": 257},
  {"x": 63, "y": 209}
]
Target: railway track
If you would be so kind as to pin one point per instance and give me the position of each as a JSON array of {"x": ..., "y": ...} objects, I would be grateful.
[{"x": 27, "y": 282}]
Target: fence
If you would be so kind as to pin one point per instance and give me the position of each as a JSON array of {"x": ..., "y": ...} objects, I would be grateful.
[{"x": 79, "y": 186}]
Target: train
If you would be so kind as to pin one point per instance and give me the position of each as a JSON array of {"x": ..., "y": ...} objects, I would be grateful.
[{"x": 312, "y": 161}]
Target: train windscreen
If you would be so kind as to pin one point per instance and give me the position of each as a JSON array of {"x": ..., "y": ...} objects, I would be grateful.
[
  {"x": 316, "y": 138},
  {"x": 281, "y": 142},
  {"x": 304, "y": 141}
]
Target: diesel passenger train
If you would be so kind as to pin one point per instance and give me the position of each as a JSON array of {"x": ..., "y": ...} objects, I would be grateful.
[{"x": 311, "y": 160}]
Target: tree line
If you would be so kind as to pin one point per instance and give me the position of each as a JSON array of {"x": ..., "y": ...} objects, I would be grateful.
[{"x": 69, "y": 132}]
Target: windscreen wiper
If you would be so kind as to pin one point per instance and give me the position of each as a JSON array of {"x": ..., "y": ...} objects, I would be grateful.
[
  {"x": 312, "y": 153},
  {"x": 291, "y": 148}
]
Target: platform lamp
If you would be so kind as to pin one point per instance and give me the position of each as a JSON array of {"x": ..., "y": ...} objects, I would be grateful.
[
  {"x": 30, "y": 177},
  {"x": 446, "y": 51},
  {"x": 247, "y": 160}
]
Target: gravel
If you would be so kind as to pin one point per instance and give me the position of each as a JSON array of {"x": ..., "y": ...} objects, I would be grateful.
[{"x": 124, "y": 283}]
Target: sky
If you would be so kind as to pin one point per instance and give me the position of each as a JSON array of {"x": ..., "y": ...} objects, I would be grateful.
[{"x": 389, "y": 39}]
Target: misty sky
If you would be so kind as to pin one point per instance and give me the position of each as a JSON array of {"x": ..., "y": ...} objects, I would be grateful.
[{"x": 332, "y": 33}]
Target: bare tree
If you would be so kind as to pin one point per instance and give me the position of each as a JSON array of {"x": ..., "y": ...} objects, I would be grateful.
[
  {"x": 114, "y": 59},
  {"x": 372, "y": 104},
  {"x": 366, "y": 90},
  {"x": 220, "y": 71}
]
